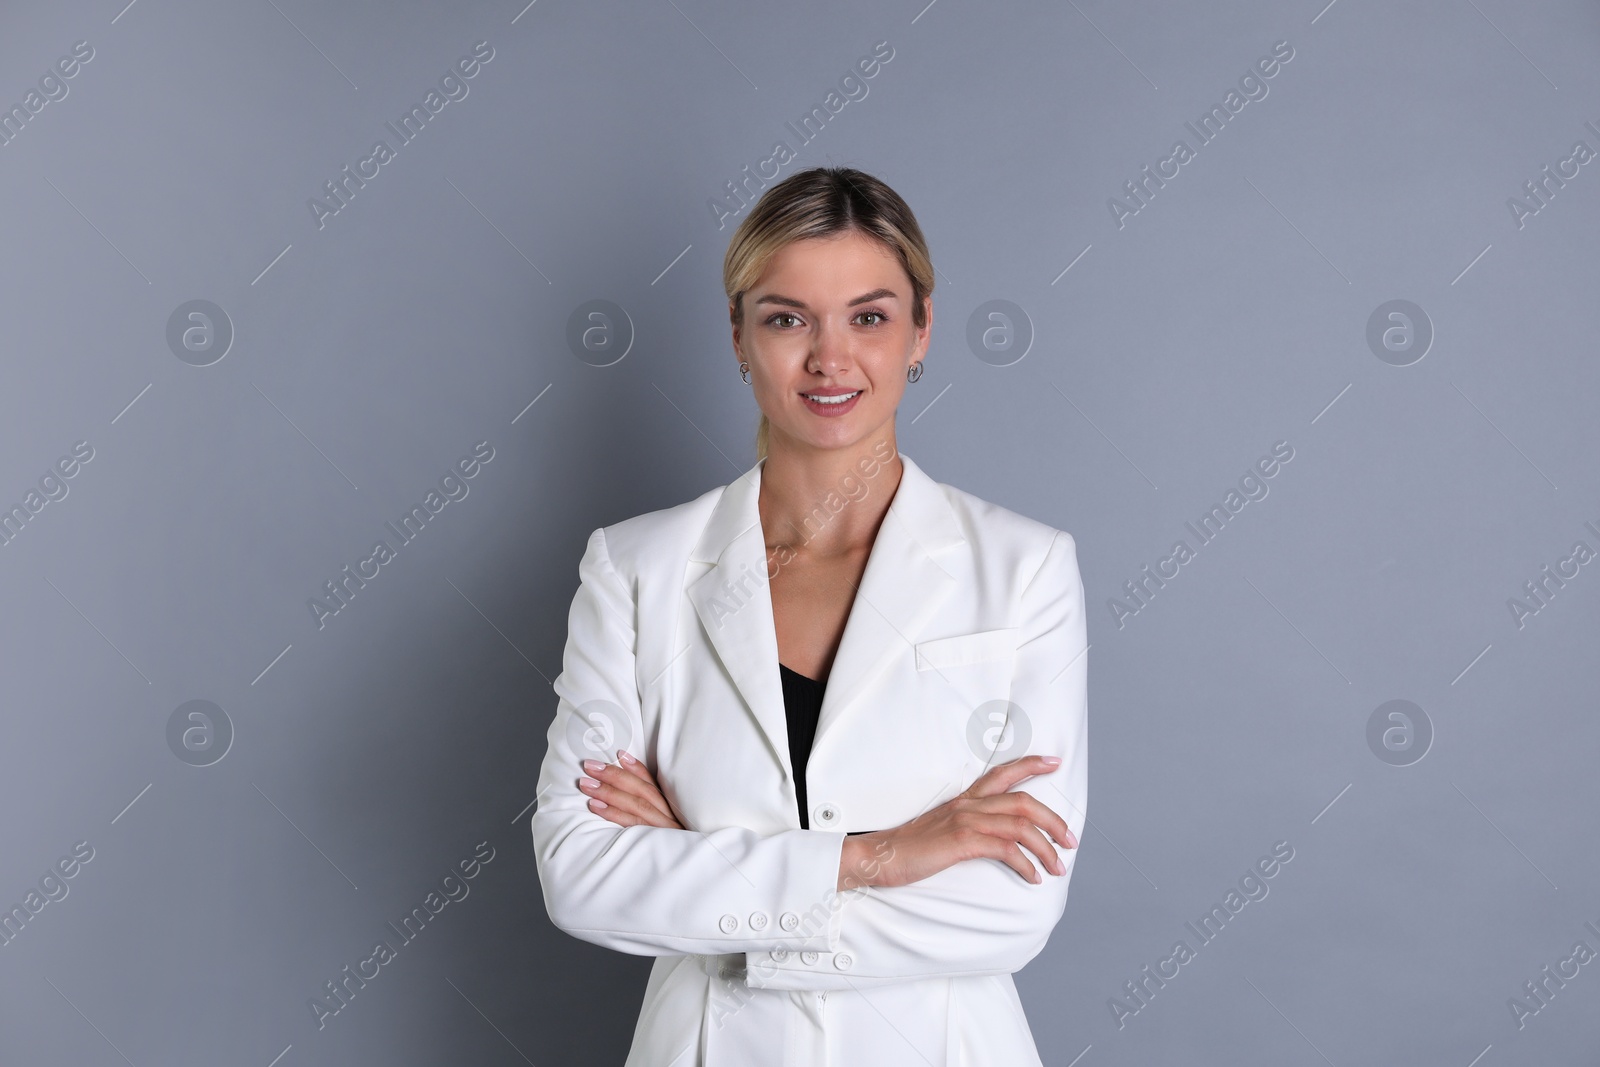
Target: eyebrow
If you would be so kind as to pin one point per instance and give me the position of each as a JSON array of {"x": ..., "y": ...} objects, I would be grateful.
[{"x": 864, "y": 298}]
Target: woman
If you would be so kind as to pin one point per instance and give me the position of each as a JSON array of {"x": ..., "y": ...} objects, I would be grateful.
[{"x": 782, "y": 757}]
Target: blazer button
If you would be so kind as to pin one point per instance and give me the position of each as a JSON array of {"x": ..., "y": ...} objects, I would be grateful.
[
  {"x": 758, "y": 920},
  {"x": 843, "y": 961},
  {"x": 789, "y": 920},
  {"x": 825, "y": 815},
  {"x": 808, "y": 958},
  {"x": 779, "y": 954},
  {"x": 729, "y": 923}
]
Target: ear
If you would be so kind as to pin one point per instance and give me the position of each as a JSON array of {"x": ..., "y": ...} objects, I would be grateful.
[{"x": 925, "y": 333}]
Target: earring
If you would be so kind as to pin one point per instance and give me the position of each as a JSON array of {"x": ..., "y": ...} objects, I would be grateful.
[
  {"x": 914, "y": 371},
  {"x": 744, "y": 372}
]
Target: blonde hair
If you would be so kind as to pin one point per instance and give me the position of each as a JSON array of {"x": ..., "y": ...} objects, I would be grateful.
[{"x": 824, "y": 202}]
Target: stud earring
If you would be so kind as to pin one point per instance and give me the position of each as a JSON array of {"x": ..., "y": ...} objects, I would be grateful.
[{"x": 914, "y": 371}]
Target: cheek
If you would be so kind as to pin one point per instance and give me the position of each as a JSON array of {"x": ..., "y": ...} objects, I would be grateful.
[
  {"x": 774, "y": 362},
  {"x": 888, "y": 367}
]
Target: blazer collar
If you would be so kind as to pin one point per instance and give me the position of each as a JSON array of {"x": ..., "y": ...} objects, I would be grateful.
[{"x": 904, "y": 583}]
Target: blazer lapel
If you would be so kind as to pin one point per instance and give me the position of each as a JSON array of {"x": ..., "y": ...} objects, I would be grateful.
[
  {"x": 903, "y": 585},
  {"x": 907, "y": 579},
  {"x": 734, "y": 603}
]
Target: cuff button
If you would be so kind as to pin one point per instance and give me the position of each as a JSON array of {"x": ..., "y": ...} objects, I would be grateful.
[
  {"x": 758, "y": 920},
  {"x": 843, "y": 961},
  {"x": 808, "y": 958},
  {"x": 728, "y": 923},
  {"x": 789, "y": 920}
]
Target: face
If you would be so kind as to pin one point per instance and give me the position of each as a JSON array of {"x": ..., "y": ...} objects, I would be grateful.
[{"x": 830, "y": 316}]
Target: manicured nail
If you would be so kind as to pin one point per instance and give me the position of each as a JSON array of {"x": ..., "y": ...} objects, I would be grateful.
[
  {"x": 588, "y": 783},
  {"x": 593, "y": 766},
  {"x": 1051, "y": 761},
  {"x": 626, "y": 758},
  {"x": 598, "y": 804}
]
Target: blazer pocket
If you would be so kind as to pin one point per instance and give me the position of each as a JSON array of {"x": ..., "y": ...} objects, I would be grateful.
[{"x": 962, "y": 649}]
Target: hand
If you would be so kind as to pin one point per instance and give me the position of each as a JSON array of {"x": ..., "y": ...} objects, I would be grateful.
[
  {"x": 626, "y": 793},
  {"x": 985, "y": 821}
]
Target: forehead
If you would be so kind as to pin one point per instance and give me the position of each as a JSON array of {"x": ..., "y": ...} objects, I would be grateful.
[{"x": 842, "y": 265}]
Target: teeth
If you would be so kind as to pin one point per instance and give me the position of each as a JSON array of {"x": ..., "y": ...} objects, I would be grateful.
[{"x": 840, "y": 399}]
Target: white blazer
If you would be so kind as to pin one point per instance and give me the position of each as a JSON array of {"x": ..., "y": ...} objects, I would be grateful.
[{"x": 672, "y": 655}]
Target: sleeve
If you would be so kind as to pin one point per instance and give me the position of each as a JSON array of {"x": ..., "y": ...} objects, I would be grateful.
[
  {"x": 977, "y": 917},
  {"x": 647, "y": 890}
]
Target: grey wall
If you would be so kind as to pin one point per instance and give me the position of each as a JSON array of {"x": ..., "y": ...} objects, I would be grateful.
[{"x": 1144, "y": 362}]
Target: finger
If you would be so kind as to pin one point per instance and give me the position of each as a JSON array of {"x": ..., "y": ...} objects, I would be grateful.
[
  {"x": 636, "y": 767},
  {"x": 1003, "y": 777},
  {"x": 1020, "y": 829},
  {"x": 1007, "y": 852},
  {"x": 613, "y": 815},
  {"x": 648, "y": 788},
  {"x": 607, "y": 812},
  {"x": 1029, "y": 806},
  {"x": 642, "y": 790},
  {"x": 620, "y": 801}
]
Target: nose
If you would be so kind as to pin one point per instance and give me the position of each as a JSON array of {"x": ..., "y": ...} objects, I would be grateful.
[{"x": 830, "y": 350}]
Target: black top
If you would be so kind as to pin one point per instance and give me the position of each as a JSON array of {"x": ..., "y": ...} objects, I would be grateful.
[{"x": 802, "y": 703}]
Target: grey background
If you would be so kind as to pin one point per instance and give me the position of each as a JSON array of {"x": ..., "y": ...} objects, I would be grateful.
[{"x": 369, "y": 355}]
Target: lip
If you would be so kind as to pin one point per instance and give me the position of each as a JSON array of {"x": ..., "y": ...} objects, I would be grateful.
[{"x": 831, "y": 410}]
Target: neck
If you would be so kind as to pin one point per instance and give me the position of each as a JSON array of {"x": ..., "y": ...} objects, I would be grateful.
[{"x": 828, "y": 501}]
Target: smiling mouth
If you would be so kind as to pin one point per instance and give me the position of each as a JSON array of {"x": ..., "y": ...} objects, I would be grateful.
[{"x": 841, "y": 398}]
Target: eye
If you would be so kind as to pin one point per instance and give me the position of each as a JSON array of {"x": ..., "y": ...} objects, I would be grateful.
[
  {"x": 773, "y": 320},
  {"x": 881, "y": 317}
]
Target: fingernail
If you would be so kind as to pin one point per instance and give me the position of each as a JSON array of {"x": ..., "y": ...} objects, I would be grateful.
[
  {"x": 593, "y": 766},
  {"x": 625, "y": 757},
  {"x": 588, "y": 783},
  {"x": 1051, "y": 761},
  {"x": 598, "y": 804}
]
